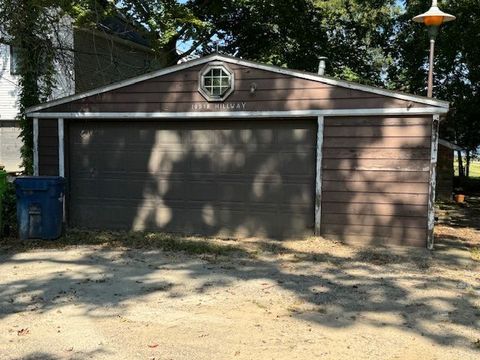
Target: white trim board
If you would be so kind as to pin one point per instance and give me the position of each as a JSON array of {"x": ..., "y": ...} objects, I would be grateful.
[
  {"x": 318, "y": 176},
  {"x": 432, "y": 182},
  {"x": 232, "y": 60},
  {"x": 35, "y": 147},
  {"x": 239, "y": 114},
  {"x": 61, "y": 147}
]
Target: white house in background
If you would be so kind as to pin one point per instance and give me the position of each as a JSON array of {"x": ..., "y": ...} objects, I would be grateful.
[{"x": 113, "y": 52}]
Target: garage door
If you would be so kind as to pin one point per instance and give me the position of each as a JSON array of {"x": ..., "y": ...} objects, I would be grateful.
[{"x": 220, "y": 177}]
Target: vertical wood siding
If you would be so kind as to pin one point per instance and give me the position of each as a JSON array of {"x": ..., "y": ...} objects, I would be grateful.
[
  {"x": 376, "y": 179},
  {"x": 48, "y": 147}
]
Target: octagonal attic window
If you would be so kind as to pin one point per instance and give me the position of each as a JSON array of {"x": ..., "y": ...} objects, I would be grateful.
[{"x": 216, "y": 82}]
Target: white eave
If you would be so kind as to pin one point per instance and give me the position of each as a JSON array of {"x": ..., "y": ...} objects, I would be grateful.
[{"x": 442, "y": 105}]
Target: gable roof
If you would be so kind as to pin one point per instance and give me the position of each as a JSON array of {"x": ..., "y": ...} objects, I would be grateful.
[{"x": 232, "y": 60}]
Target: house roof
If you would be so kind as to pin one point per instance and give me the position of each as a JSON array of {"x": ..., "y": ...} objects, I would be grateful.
[
  {"x": 117, "y": 26},
  {"x": 443, "y": 105}
]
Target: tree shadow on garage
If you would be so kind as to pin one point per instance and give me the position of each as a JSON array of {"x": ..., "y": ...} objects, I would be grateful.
[
  {"x": 375, "y": 187},
  {"x": 236, "y": 178}
]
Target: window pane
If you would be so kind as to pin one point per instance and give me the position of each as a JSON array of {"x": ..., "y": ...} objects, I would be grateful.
[
  {"x": 216, "y": 82},
  {"x": 14, "y": 65}
]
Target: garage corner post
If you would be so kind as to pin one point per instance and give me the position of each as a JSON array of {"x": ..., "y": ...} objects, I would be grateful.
[
  {"x": 318, "y": 176},
  {"x": 432, "y": 181},
  {"x": 35, "y": 147},
  {"x": 61, "y": 148}
]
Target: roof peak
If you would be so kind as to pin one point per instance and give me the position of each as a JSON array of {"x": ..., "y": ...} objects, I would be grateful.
[{"x": 235, "y": 60}]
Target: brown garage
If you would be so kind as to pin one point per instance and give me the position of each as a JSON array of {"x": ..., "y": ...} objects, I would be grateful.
[{"x": 224, "y": 146}]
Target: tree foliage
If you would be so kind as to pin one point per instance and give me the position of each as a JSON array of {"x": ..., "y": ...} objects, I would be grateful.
[
  {"x": 27, "y": 26},
  {"x": 369, "y": 41},
  {"x": 457, "y": 66},
  {"x": 294, "y": 33}
]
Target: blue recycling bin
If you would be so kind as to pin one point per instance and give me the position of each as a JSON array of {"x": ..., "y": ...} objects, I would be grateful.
[{"x": 40, "y": 206}]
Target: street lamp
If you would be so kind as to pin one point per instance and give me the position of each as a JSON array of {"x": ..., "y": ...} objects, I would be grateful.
[{"x": 433, "y": 18}]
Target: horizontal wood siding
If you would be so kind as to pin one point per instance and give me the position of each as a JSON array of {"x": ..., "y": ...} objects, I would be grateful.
[
  {"x": 176, "y": 92},
  {"x": 375, "y": 179},
  {"x": 10, "y": 145},
  {"x": 48, "y": 147}
]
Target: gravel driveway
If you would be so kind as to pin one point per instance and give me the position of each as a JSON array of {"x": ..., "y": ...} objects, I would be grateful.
[{"x": 256, "y": 300}]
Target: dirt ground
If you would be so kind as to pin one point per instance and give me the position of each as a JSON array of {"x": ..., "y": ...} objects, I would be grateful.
[{"x": 158, "y": 297}]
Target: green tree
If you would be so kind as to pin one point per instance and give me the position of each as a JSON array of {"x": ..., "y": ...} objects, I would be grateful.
[
  {"x": 457, "y": 66},
  {"x": 293, "y": 33},
  {"x": 26, "y": 25},
  {"x": 165, "y": 23},
  {"x": 33, "y": 28}
]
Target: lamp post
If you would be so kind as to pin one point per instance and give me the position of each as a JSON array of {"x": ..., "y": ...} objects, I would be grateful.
[{"x": 433, "y": 18}]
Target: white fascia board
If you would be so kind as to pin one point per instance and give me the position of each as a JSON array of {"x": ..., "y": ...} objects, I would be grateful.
[
  {"x": 335, "y": 82},
  {"x": 239, "y": 114},
  {"x": 231, "y": 60}
]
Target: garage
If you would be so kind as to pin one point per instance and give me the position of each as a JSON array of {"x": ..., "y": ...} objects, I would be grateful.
[
  {"x": 217, "y": 177},
  {"x": 228, "y": 147}
]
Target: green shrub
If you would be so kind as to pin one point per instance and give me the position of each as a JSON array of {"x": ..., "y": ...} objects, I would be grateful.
[{"x": 9, "y": 211}]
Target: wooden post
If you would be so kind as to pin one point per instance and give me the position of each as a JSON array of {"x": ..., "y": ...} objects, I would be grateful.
[
  {"x": 433, "y": 180},
  {"x": 61, "y": 148},
  {"x": 61, "y": 159},
  {"x": 35, "y": 147},
  {"x": 318, "y": 177}
]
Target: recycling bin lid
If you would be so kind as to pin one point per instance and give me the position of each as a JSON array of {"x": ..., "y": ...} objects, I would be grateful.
[
  {"x": 38, "y": 182},
  {"x": 58, "y": 179}
]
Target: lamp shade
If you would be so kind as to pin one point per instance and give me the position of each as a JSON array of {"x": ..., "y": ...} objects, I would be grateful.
[{"x": 433, "y": 17}]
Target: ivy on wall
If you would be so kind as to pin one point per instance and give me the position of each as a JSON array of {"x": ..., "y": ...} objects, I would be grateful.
[{"x": 26, "y": 25}]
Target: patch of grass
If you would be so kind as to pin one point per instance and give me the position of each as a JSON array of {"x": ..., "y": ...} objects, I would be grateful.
[
  {"x": 474, "y": 168},
  {"x": 326, "y": 259},
  {"x": 475, "y": 253},
  {"x": 9, "y": 211},
  {"x": 379, "y": 258},
  {"x": 386, "y": 257},
  {"x": 476, "y": 344},
  {"x": 272, "y": 247},
  {"x": 164, "y": 241}
]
